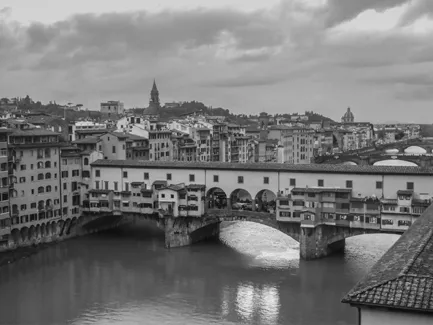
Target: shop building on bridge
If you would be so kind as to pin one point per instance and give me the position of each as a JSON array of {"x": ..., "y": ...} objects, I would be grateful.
[{"x": 373, "y": 198}]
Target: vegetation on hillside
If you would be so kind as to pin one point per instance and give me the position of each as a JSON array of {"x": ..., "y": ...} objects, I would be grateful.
[{"x": 28, "y": 105}]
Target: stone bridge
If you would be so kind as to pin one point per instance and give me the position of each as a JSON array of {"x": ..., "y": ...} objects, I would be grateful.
[
  {"x": 317, "y": 242},
  {"x": 380, "y": 152},
  {"x": 362, "y": 160}
]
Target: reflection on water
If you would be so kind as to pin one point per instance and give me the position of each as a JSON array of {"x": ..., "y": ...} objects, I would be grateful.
[{"x": 254, "y": 277}]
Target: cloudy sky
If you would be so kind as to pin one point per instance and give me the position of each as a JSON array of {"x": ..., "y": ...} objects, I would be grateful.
[{"x": 375, "y": 56}]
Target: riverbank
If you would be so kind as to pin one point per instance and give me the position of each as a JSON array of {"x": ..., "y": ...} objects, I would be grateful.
[{"x": 22, "y": 252}]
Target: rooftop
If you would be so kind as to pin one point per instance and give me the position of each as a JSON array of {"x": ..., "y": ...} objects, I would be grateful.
[
  {"x": 33, "y": 132},
  {"x": 87, "y": 140},
  {"x": 322, "y": 190},
  {"x": 403, "y": 277},
  {"x": 308, "y": 168}
]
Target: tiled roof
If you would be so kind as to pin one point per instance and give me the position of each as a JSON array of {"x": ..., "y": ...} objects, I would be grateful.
[
  {"x": 404, "y": 192},
  {"x": 33, "y": 132},
  {"x": 321, "y": 189},
  {"x": 87, "y": 140},
  {"x": 403, "y": 277},
  {"x": 307, "y": 168}
]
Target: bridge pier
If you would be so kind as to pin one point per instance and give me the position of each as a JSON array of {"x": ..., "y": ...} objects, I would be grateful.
[
  {"x": 319, "y": 242},
  {"x": 188, "y": 230}
]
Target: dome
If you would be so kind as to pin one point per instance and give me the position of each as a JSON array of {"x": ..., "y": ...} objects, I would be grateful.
[{"x": 348, "y": 116}]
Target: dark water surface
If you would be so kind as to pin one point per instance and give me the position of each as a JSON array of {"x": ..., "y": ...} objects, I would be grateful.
[{"x": 130, "y": 278}]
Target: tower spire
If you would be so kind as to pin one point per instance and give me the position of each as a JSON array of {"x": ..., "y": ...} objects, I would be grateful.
[{"x": 154, "y": 94}]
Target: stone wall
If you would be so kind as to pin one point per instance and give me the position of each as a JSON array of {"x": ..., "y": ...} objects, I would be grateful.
[{"x": 48, "y": 232}]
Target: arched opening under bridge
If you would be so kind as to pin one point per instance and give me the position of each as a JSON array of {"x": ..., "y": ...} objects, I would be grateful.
[
  {"x": 265, "y": 201},
  {"x": 395, "y": 162},
  {"x": 351, "y": 163},
  {"x": 415, "y": 150},
  {"x": 241, "y": 199},
  {"x": 217, "y": 198}
]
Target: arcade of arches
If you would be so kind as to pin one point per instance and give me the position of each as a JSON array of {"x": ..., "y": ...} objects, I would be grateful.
[{"x": 241, "y": 199}]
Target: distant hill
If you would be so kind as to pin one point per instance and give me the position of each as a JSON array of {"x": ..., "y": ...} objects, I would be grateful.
[{"x": 27, "y": 104}]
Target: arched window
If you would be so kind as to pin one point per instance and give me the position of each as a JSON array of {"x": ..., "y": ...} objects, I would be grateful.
[
  {"x": 41, "y": 205},
  {"x": 40, "y": 189},
  {"x": 86, "y": 161},
  {"x": 48, "y": 164},
  {"x": 40, "y": 164},
  {"x": 48, "y": 202},
  {"x": 48, "y": 176},
  {"x": 40, "y": 177},
  {"x": 48, "y": 188}
]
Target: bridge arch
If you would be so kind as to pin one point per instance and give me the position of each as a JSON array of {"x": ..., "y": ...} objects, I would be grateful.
[
  {"x": 415, "y": 150},
  {"x": 216, "y": 198},
  {"x": 16, "y": 236},
  {"x": 265, "y": 201},
  {"x": 395, "y": 162},
  {"x": 24, "y": 234},
  {"x": 241, "y": 199},
  {"x": 31, "y": 233}
]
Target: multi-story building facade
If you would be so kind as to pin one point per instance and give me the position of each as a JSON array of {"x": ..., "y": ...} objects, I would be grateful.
[
  {"x": 160, "y": 145},
  {"x": 112, "y": 108},
  {"x": 71, "y": 178},
  {"x": 5, "y": 222},
  {"x": 36, "y": 186},
  {"x": 85, "y": 126},
  {"x": 203, "y": 139}
]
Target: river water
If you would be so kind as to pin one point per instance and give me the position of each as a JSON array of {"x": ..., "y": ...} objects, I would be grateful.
[{"x": 252, "y": 275}]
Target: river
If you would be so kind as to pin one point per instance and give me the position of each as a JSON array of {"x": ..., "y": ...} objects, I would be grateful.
[{"x": 252, "y": 275}]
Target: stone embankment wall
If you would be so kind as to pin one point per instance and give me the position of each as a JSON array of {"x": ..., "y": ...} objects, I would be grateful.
[{"x": 26, "y": 241}]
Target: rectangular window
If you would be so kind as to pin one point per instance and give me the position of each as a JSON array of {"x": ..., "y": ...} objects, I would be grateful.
[
  {"x": 114, "y": 149},
  {"x": 65, "y": 186},
  {"x": 349, "y": 184},
  {"x": 97, "y": 185},
  {"x": 116, "y": 186},
  {"x": 265, "y": 180},
  {"x": 379, "y": 185},
  {"x": 146, "y": 175},
  {"x": 320, "y": 182},
  {"x": 240, "y": 179},
  {"x": 126, "y": 186},
  {"x": 191, "y": 177},
  {"x": 215, "y": 178},
  {"x": 106, "y": 185},
  {"x": 409, "y": 186},
  {"x": 65, "y": 198},
  {"x": 97, "y": 173},
  {"x": 125, "y": 174},
  {"x": 293, "y": 182},
  {"x": 169, "y": 177}
]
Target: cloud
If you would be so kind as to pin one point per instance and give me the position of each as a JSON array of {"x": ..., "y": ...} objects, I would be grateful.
[
  {"x": 415, "y": 94},
  {"x": 86, "y": 37},
  {"x": 416, "y": 10},
  {"x": 296, "y": 53},
  {"x": 339, "y": 11}
]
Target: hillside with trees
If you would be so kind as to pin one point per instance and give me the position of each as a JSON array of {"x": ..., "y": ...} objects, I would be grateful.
[{"x": 26, "y": 104}]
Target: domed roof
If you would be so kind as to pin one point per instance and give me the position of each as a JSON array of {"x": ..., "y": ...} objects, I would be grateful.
[{"x": 348, "y": 114}]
